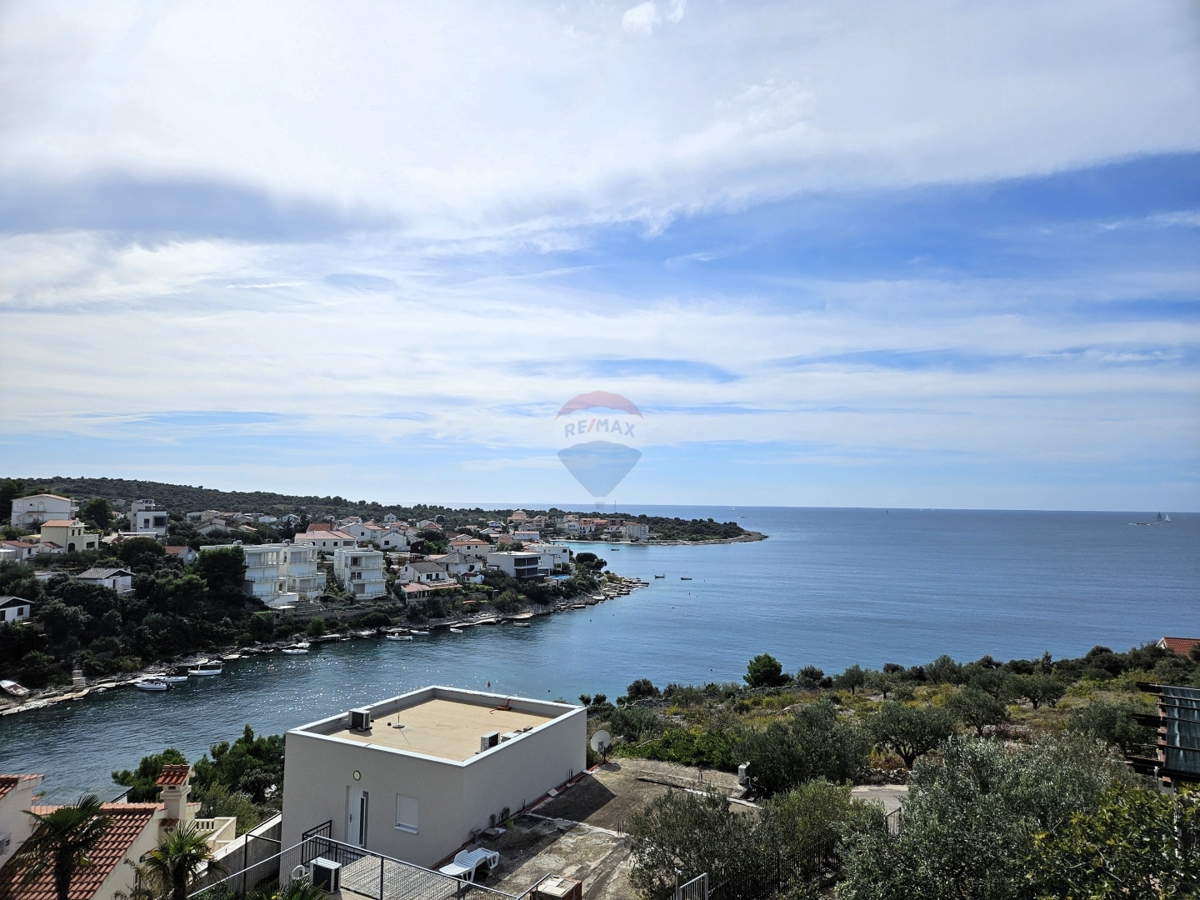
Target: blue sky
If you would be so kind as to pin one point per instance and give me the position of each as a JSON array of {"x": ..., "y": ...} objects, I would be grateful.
[{"x": 838, "y": 253}]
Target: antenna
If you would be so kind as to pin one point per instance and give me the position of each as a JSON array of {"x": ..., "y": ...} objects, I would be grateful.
[{"x": 600, "y": 743}]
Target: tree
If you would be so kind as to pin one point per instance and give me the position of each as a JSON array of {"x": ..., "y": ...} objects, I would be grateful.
[
  {"x": 63, "y": 842},
  {"x": 642, "y": 688},
  {"x": 1038, "y": 688},
  {"x": 765, "y": 671},
  {"x": 97, "y": 514},
  {"x": 690, "y": 833},
  {"x": 177, "y": 859},
  {"x": 1139, "y": 843},
  {"x": 971, "y": 819},
  {"x": 143, "y": 781},
  {"x": 853, "y": 678},
  {"x": 223, "y": 570},
  {"x": 10, "y": 490},
  {"x": 813, "y": 743},
  {"x": 910, "y": 731},
  {"x": 976, "y": 709},
  {"x": 1112, "y": 723}
]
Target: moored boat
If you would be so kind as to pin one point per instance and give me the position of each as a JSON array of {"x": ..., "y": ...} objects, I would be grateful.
[
  {"x": 151, "y": 685},
  {"x": 206, "y": 668},
  {"x": 456, "y": 631},
  {"x": 398, "y": 637},
  {"x": 295, "y": 651},
  {"x": 421, "y": 633}
]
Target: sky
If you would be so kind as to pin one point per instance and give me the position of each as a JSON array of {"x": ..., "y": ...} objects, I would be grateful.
[{"x": 930, "y": 254}]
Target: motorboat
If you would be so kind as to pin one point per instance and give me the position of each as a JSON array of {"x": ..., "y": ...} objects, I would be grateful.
[
  {"x": 303, "y": 645},
  {"x": 685, "y": 577},
  {"x": 151, "y": 685},
  {"x": 456, "y": 631},
  {"x": 295, "y": 651},
  {"x": 206, "y": 668},
  {"x": 523, "y": 624},
  {"x": 660, "y": 576},
  {"x": 421, "y": 633},
  {"x": 398, "y": 637},
  {"x": 172, "y": 679}
]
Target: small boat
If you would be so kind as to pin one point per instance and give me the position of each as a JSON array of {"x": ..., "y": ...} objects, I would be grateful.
[
  {"x": 151, "y": 685},
  {"x": 422, "y": 633},
  {"x": 204, "y": 669},
  {"x": 172, "y": 678},
  {"x": 456, "y": 631},
  {"x": 231, "y": 657},
  {"x": 660, "y": 576},
  {"x": 523, "y": 624},
  {"x": 295, "y": 651},
  {"x": 303, "y": 645},
  {"x": 685, "y": 577},
  {"x": 399, "y": 637}
]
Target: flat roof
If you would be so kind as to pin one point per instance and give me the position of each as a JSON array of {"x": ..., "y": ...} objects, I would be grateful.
[{"x": 442, "y": 723}]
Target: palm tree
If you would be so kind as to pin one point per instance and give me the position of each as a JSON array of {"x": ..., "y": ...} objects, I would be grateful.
[
  {"x": 63, "y": 841},
  {"x": 177, "y": 859}
]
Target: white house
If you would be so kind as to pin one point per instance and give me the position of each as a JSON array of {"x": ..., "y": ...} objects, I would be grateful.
[
  {"x": 636, "y": 531},
  {"x": 396, "y": 537},
  {"x": 472, "y": 546},
  {"x": 299, "y": 570},
  {"x": 364, "y": 531},
  {"x": 145, "y": 515},
  {"x": 37, "y": 508},
  {"x": 457, "y": 565},
  {"x": 183, "y": 553},
  {"x": 389, "y": 519},
  {"x": 360, "y": 572},
  {"x": 16, "y": 551},
  {"x": 423, "y": 571},
  {"x": 525, "y": 535},
  {"x": 428, "y": 770},
  {"x": 326, "y": 541},
  {"x": 14, "y": 609},
  {"x": 517, "y": 563},
  {"x": 120, "y": 580},
  {"x": 552, "y": 556}
]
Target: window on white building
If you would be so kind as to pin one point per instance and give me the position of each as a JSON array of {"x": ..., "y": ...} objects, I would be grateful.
[{"x": 406, "y": 813}]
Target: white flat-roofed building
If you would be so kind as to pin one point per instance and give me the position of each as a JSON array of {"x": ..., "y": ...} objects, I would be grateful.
[
  {"x": 434, "y": 766},
  {"x": 146, "y": 515},
  {"x": 360, "y": 572},
  {"x": 36, "y": 508},
  {"x": 326, "y": 541},
  {"x": 299, "y": 570},
  {"x": 552, "y": 556}
]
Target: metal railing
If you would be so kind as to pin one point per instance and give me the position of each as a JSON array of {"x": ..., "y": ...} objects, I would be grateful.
[
  {"x": 363, "y": 873},
  {"x": 815, "y": 865}
]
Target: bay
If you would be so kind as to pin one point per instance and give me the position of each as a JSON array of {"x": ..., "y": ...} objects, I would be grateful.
[{"x": 831, "y": 587}]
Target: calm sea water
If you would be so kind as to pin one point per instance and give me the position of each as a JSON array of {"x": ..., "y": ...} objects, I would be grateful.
[{"x": 831, "y": 587}]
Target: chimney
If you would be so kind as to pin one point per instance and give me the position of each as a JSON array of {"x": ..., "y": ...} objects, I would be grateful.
[{"x": 174, "y": 788}]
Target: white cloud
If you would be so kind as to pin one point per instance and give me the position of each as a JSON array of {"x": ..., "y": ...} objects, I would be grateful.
[
  {"x": 463, "y": 120},
  {"x": 641, "y": 19}
]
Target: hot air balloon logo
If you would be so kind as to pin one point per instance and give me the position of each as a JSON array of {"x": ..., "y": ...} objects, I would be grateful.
[{"x": 599, "y": 434}]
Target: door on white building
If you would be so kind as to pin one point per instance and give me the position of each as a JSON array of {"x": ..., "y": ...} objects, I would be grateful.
[{"x": 356, "y": 818}]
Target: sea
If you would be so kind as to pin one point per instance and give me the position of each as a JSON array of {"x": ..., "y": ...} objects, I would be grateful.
[{"x": 829, "y": 587}]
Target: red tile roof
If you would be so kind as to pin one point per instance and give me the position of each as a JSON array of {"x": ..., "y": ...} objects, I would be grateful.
[
  {"x": 174, "y": 775},
  {"x": 61, "y": 523},
  {"x": 129, "y": 820},
  {"x": 1182, "y": 646},
  {"x": 7, "y": 783}
]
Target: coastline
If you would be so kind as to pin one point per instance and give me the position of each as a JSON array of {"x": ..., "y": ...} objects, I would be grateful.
[
  {"x": 747, "y": 538},
  {"x": 41, "y": 698}
]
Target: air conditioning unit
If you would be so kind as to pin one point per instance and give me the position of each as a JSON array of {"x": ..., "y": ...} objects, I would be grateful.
[
  {"x": 5, "y": 843},
  {"x": 488, "y": 741},
  {"x": 360, "y": 720},
  {"x": 327, "y": 875},
  {"x": 743, "y": 777}
]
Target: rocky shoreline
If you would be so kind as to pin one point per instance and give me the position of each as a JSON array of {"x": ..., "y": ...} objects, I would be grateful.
[
  {"x": 747, "y": 538},
  {"x": 617, "y": 586}
]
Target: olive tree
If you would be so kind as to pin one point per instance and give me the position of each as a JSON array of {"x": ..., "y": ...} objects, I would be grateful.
[{"x": 910, "y": 731}]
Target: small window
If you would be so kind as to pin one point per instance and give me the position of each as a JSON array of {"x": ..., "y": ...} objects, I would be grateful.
[{"x": 406, "y": 813}]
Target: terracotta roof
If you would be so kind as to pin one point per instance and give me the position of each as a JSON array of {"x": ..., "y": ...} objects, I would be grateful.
[
  {"x": 7, "y": 783},
  {"x": 174, "y": 775},
  {"x": 173, "y": 550},
  {"x": 60, "y": 523},
  {"x": 1182, "y": 646},
  {"x": 129, "y": 820}
]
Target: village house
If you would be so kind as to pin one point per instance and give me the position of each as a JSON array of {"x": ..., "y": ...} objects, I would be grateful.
[
  {"x": 552, "y": 557},
  {"x": 326, "y": 541},
  {"x": 517, "y": 563},
  {"x": 14, "y": 609},
  {"x": 183, "y": 553},
  {"x": 360, "y": 572},
  {"x": 526, "y": 534},
  {"x": 636, "y": 531},
  {"x": 417, "y": 776},
  {"x": 364, "y": 531},
  {"x": 278, "y": 574},
  {"x": 390, "y": 519},
  {"x": 134, "y": 830},
  {"x": 397, "y": 537},
  {"x": 146, "y": 515},
  {"x": 518, "y": 516},
  {"x": 119, "y": 580},
  {"x": 29, "y": 512},
  {"x": 19, "y": 551},
  {"x": 471, "y": 546},
  {"x": 463, "y": 568},
  {"x": 422, "y": 571},
  {"x": 70, "y": 534}
]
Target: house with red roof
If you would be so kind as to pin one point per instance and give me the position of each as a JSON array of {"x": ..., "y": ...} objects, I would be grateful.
[
  {"x": 1182, "y": 646},
  {"x": 134, "y": 830}
]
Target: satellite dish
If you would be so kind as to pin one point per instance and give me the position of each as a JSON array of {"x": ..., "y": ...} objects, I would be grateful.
[{"x": 600, "y": 742}]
